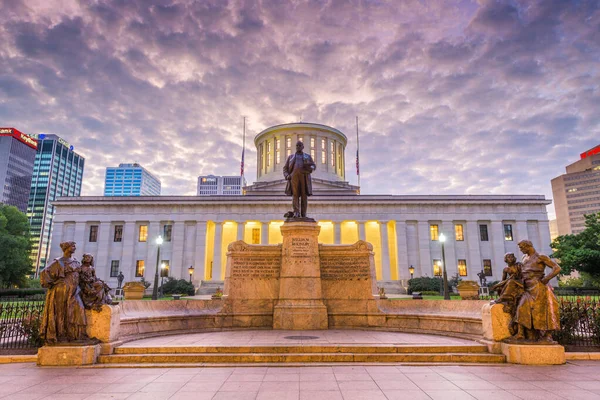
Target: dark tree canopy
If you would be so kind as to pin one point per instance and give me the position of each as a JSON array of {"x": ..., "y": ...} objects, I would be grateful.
[
  {"x": 15, "y": 247},
  {"x": 580, "y": 252}
]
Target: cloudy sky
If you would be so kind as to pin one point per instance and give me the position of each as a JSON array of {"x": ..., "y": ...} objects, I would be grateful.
[{"x": 453, "y": 97}]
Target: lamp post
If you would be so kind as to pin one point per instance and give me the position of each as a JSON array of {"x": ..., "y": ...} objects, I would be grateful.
[
  {"x": 162, "y": 278},
  {"x": 191, "y": 271},
  {"x": 159, "y": 241},
  {"x": 442, "y": 239},
  {"x": 411, "y": 269}
]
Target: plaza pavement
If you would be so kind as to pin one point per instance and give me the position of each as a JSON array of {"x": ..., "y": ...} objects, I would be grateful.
[{"x": 577, "y": 380}]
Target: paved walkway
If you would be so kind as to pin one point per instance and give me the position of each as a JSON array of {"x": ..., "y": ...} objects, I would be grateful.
[
  {"x": 575, "y": 380},
  {"x": 277, "y": 337}
]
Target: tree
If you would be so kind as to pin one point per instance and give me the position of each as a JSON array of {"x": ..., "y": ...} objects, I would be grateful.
[
  {"x": 15, "y": 247},
  {"x": 580, "y": 252}
]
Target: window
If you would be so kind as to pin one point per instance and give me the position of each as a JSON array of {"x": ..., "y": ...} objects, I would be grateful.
[
  {"x": 288, "y": 142},
  {"x": 312, "y": 153},
  {"x": 487, "y": 267},
  {"x": 167, "y": 230},
  {"x": 93, "y": 233},
  {"x": 437, "y": 267},
  {"x": 323, "y": 152},
  {"x": 114, "y": 268},
  {"x": 312, "y": 142},
  {"x": 458, "y": 233},
  {"x": 268, "y": 154},
  {"x": 508, "y": 236},
  {"x": 143, "y": 233},
  {"x": 301, "y": 139},
  {"x": 118, "y": 237},
  {"x": 139, "y": 268},
  {"x": 434, "y": 232},
  {"x": 255, "y": 236},
  {"x": 164, "y": 268},
  {"x": 462, "y": 267},
  {"x": 483, "y": 233},
  {"x": 332, "y": 154},
  {"x": 278, "y": 150}
]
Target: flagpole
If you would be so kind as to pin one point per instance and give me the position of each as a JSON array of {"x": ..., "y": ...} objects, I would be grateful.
[
  {"x": 357, "y": 153},
  {"x": 243, "y": 148}
]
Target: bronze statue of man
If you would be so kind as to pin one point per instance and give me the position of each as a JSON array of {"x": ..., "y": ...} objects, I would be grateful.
[
  {"x": 297, "y": 170},
  {"x": 537, "y": 313}
]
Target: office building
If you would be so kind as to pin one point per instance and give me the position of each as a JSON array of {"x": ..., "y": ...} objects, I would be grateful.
[
  {"x": 404, "y": 229},
  {"x": 577, "y": 192},
  {"x": 220, "y": 185},
  {"x": 57, "y": 172},
  {"x": 130, "y": 180},
  {"x": 17, "y": 154}
]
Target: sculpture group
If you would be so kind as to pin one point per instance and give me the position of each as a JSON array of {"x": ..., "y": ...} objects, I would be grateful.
[
  {"x": 72, "y": 288},
  {"x": 527, "y": 296}
]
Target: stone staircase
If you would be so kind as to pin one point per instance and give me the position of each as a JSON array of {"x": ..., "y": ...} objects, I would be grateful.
[{"x": 298, "y": 354}]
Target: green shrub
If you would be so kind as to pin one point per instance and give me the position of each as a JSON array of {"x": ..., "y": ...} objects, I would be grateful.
[
  {"x": 22, "y": 293},
  {"x": 424, "y": 284},
  {"x": 181, "y": 286}
]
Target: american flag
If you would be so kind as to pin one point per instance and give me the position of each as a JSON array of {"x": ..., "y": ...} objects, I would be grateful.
[
  {"x": 242, "y": 164},
  {"x": 357, "y": 164}
]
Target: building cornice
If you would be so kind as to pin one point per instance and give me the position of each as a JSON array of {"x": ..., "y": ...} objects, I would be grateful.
[{"x": 300, "y": 125}]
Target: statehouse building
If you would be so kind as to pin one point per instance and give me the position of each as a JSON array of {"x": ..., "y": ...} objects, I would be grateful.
[{"x": 404, "y": 230}]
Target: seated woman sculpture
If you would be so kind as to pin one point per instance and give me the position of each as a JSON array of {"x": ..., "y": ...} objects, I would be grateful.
[
  {"x": 94, "y": 291},
  {"x": 510, "y": 288},
  {"x": 64, "y": 315}
]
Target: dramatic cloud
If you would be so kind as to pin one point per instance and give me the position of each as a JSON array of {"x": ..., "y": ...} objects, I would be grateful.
[{"x": 453, "y": 97}]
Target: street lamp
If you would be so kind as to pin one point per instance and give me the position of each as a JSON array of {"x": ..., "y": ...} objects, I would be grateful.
[
  {"x": 411, "y": 269},
  {"x": 191, "y": 271},
  {"x": 163, "y": 267},
  {"x": 442, "y": 239},
  {"x": 159, "y": 241}
]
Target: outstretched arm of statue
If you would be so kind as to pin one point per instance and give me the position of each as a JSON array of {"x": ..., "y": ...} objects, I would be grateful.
[{"x": 550, "y": 264}]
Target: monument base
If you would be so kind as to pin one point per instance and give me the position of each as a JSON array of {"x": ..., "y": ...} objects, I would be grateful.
[
  {"x": 300, "y": 315},
  {"x": 534, "y": 354},
  {"x": 54, "y": 356}
]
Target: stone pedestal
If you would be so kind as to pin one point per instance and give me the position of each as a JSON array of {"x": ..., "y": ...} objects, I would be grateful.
[
  {"x": 300, "y": 305},
  {"x": 495, "y": 322},
  {"x": 534, "y": 354},
  {"x": 104, "y": 325},
  {"x": 53, "y": 356}
]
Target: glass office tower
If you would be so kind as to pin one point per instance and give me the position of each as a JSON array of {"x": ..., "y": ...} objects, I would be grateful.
[
  {"x": 130, "y": 180},
  {"x": 57, "y": 172},
  {"x": 17, "y": 153}
]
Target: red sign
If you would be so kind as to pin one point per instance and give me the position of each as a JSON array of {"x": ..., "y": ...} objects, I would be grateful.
[
  {"x": 20, "y": 136},
  {"x": 591, "y": 152}
]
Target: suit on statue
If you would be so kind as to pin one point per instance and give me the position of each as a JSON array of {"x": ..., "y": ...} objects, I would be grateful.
[{"x": 297, "y": 170}]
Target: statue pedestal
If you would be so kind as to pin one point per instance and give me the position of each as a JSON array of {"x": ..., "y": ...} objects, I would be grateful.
[
  {"x": 54, "y": 356},
  {"x": 300, "y": 305}
]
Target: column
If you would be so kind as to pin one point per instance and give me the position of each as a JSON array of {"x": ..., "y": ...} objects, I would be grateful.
[
  {"x": 264, "y": 233},
  {"x": 474, "y": 252},
  {"x": 425, "y": 262},
  {"x": 361, "y": 231},
  {"x": 337, "y": 232},
  {"x": 385, "y": 251},
  {"x": 216, "y": 272},
  {"x": 520, "y": 232},
  {"x": 177, "y": 241},
  {"x": 56, "y": 239},
  {"x": 498, "y": 249},
  {"x": 127, "y": 262},
  {"x": 402, "y": 250},
  {"x": 450, "y": 249},
  {"x": 80, "y": 237},
  {"x": 240, "y": 230},
  {"x": 151, "y": 250},
  {"x": 102, "y": 257},
  {"x": 544, "y": 234},
  {"x": 200, "y": 251}
]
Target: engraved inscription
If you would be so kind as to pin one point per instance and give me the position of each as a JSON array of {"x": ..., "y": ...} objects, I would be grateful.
[
  {"x": 255, "y": 267},
  {"x": 300, "y": 247},
  {"x": 345, "y": 268}
]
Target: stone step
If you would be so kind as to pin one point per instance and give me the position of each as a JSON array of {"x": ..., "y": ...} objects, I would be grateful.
[
  {"x": 236, "y": 358},
  {"x": 292, "y": 349}
]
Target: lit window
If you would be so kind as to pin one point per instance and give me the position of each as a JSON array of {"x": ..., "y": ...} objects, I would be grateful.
[
  {"x": 458, "y": 233},
  {"x": 508, "y": 234},
  {"x": 323, "y": 152},
  {"x": 139, "y": 268},
  {"x": 462, "y": 267},
  {"x": 437, "y": 267},
  {"x": 301, "y": 139},
  {"x": 487, "y": 267},
  {"x": 483, "y": 233},
  {"x": 288, "y": 142},
  {"x": 332, "y": 154},
  {"x": 312, "y": 142},
  {"x": 255, "y": 236},
  {"x": 268, "y": 154},
  {"x": 93, "y": 233},
  {"x": 434, "y": 232},
  {"x": 143, "y": 233}
]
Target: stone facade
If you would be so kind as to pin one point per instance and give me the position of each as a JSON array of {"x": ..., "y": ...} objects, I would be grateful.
[{"x": 201, "y": 228}]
